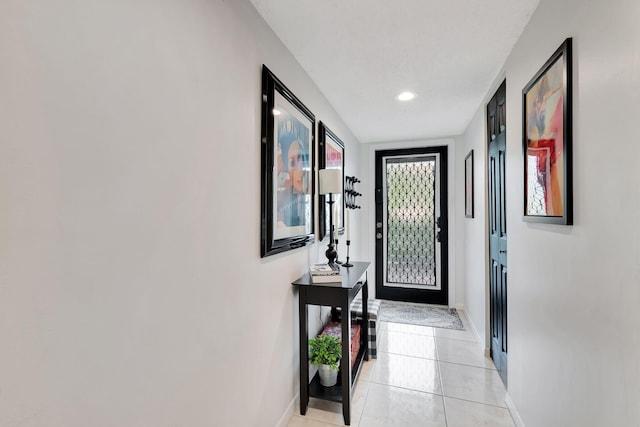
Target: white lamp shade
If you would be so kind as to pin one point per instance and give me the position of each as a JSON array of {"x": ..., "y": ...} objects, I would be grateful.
[{"x": 330, "y": 181}]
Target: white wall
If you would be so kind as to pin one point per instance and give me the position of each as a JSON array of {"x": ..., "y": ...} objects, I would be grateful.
[
  {"x": 131, "y": 288},
  {"x": 472, "y": 254},
  {"x": 368, "y": 213},
  {"x": 574, "y": 347}
]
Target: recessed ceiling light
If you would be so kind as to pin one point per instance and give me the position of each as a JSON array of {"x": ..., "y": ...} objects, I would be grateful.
[{"x": 406, "y": 96}]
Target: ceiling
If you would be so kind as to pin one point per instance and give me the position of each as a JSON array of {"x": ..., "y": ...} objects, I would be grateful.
[{"x": 363, "y": 53}]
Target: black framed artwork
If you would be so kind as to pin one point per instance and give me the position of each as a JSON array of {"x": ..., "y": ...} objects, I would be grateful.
[
  {"x": 547, "y": 141},
  {"x": 468, "y": 185},
  {"x": 287, "y": 189},
  {"x": 331, "y": 156}
]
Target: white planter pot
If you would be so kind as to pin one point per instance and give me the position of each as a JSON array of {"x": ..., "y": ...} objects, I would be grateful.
[{"x": 328, "y": 377}]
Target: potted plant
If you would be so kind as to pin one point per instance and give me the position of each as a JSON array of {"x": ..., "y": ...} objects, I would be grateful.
[{"x": 325, "y": 353}]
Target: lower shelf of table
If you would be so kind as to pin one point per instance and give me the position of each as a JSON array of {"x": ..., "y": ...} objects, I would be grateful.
[{"x": 334, "y": 393}]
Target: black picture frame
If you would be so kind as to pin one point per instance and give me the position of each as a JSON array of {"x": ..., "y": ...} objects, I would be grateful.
[
  {"x": 468, "y": 185},
  {"x": 287, "y": 166},
  {"x": 330, "y": 155},
  {"x": 547, "y": 141}
]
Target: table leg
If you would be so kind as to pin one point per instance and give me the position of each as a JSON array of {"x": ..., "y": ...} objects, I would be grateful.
[
  {"x": 365, "y": 317},
  {"x": 304, "y": 348},
  {"x": 346, "y": 360}
]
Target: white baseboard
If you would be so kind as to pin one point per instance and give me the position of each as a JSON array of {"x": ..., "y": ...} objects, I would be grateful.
[
  {"x": 474, "y": 331},
  {"x": 288, "y": 413},
  {"x": 472, "y": 326},
  {"x": 514, "y": 411}
]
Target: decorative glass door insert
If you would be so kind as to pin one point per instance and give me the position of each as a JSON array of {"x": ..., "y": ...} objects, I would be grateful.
[{"x": 411, "y": 203}]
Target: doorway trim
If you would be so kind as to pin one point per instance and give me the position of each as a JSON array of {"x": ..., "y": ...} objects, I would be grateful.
[
  {"x": 368, "y": 217},
  {"x": 438, "y": 293}
]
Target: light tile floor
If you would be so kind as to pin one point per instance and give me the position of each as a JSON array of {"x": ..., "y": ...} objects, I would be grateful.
[{"x": 423, "y": 377}]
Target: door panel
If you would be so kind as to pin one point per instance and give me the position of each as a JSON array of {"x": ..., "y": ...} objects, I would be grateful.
[
  {"x": 496, "y": 127},
  {"x": 411, "y": 226}
]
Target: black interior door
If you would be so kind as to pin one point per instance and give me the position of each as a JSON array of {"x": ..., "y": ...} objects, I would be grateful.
[
  {"x": 497, "y": 129},
  {"x": 411, "y": 225}
]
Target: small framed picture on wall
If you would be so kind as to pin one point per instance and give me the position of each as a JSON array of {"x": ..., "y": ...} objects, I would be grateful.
[{"x": 468, "y": 185}]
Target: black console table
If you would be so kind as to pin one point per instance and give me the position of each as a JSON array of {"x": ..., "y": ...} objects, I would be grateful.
[{"x": 354, "y": 280}]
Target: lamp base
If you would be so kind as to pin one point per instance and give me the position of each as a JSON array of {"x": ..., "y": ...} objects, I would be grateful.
[
  {"x": 337, "y": 255},
  {"x": 331, "y": 253}
]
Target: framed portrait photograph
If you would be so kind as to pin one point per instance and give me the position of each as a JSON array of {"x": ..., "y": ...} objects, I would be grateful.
[
  {"x": 288, "y": 134},
  {"x": 547, "y": 141},
  {"x": 331, "y": 156},
  {"x": 468, "y": 185}
]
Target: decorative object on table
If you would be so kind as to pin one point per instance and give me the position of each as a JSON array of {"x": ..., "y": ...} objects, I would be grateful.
[
  {"x": 325, "y": 353},
  {"x": 288, "y": 132},
  {"x": 326, "y": 278},
  {"x": 330, "y": 156},
  {"x": 330, "y": 182},
  {"x": 324, "y": 269},
  {"x": 325, "y": 273},
  {"x": 419, "y": 314},
  {"x": 350, "y": 203},
  {"x": 547, "y": 141},
  {"x": 468, "y": 185}
]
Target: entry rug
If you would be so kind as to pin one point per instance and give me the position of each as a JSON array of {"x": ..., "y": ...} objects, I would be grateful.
[{"x": 419, "y": 314}]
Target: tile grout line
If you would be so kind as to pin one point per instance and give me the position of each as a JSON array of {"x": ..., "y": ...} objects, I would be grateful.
[
  {"x": 444, "y": 403},
  {"x": 434, "y": 334},
  {"x": 364, "y": 403},
  {"x": 467, "y": 365},
  {"x": 437, "y": 360},
  {"x": 479, "y": 403},
  {"x": 405, "y": 388}
]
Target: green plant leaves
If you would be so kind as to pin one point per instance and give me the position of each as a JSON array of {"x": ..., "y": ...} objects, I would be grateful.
[{"x": 325, "y": 350}]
